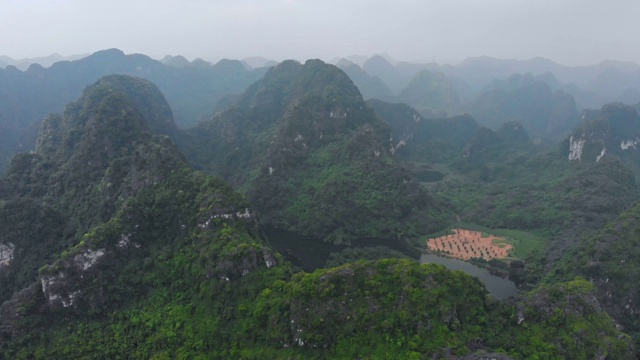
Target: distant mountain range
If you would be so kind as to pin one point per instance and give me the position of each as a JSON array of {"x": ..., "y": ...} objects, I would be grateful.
[
  {"x": 591, "y": 86},
  {"x": 196, "y": 89},
  {"x": 44, "y": 61},
  {"x": 194, "y": 92}
]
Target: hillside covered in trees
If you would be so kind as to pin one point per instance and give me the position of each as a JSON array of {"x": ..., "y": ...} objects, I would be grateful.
[{"x": 126, "y": 236}]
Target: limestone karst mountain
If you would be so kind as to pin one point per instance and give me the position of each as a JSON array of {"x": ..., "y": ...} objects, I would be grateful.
[{"x": 314, "y": 158}]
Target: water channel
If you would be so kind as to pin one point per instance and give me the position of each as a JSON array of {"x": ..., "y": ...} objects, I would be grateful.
[
  {"x": 497, "y": 286},
  {"x": 310, "y": 254}
]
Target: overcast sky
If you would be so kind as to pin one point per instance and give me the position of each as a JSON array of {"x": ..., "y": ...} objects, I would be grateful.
[{"x": 571, "y": 32}]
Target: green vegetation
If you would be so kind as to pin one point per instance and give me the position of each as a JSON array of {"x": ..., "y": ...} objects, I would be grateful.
[
  {"x": 349, "y": 255},
  {"x": 562, "y": 321},
  {"x": 524, "y": 244},
  {"x": 123, "y": 251},
  {"x": 500, "y": 180},
  {"x": 610, "y": 258},
  {"x": 314, "y": 159},
  {"x": 408, "y": 310}
]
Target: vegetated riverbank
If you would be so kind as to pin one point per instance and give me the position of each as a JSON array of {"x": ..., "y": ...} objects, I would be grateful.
[{"x": 497, "y": 286}]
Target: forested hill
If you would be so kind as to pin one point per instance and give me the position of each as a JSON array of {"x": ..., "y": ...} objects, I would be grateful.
[
  {"x": 105, "y": 216},
  {"x": 89, "y": 161},
  {"x": 315, "y": 159},
  {"x": 610, "y": 258}
]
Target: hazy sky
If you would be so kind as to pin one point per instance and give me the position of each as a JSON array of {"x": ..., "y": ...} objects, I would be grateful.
[{"x": 572, "y": 32}]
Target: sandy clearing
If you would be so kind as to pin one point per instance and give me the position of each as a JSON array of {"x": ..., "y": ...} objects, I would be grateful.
[{"x": 465, "y": 244}]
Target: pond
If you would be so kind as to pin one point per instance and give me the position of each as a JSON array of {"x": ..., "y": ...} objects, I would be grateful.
[{"x": 498, "y": 287}]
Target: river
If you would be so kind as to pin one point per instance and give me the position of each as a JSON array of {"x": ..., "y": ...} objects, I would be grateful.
[
  {"x": 497, "y": 286},
  {"x": 310, "y": 254}
]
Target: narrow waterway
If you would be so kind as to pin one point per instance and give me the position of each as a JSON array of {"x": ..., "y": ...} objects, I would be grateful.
[{"x": 497, "y": 286}]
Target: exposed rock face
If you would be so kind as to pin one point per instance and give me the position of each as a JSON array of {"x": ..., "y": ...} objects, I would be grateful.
[
  {"x": 630, "y": 144},
  {"x": 613, "y": 130},
  {"x": 416, "y": 138},
  {"x": 64, "y": 282},
  {"x": 269, "y": 259},
  {"x": 133, "y": 207},
  {"x": 102, "y": 148},
  {"x": 6, "y": 254},
  {"x": 575, "y": 148},
  {"x": 237, "y": 266},
  {"x": 88, "y": 258}
]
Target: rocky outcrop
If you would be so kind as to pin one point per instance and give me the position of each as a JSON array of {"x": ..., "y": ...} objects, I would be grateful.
[
  {"x": 64, "y": 283},
  {"x": 613, "y": 130},
  {"x": 12, "y": 311},
  {"x": 239, "y": 265},
  {"x": 6, "y": 254},
  {"x": 575, "y": 148}
]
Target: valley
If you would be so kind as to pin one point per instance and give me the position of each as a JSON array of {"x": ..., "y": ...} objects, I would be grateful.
[{"x": 278, "y": 212}]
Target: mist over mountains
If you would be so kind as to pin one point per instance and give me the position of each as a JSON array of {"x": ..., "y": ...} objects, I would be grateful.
[{"x": 258, "y": 209}]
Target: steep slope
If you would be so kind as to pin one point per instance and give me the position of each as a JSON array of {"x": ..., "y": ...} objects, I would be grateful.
[
  {"x": 610, "y": 260},
  {"x": 87, "y": 162},
  {"x": 458, "y": 143},
  {"x": 613, "y": 130},
  {"x": 419, "y": 139},
  {"x": 105, "y": 212},
  {"x": 315, "y": 159}
]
